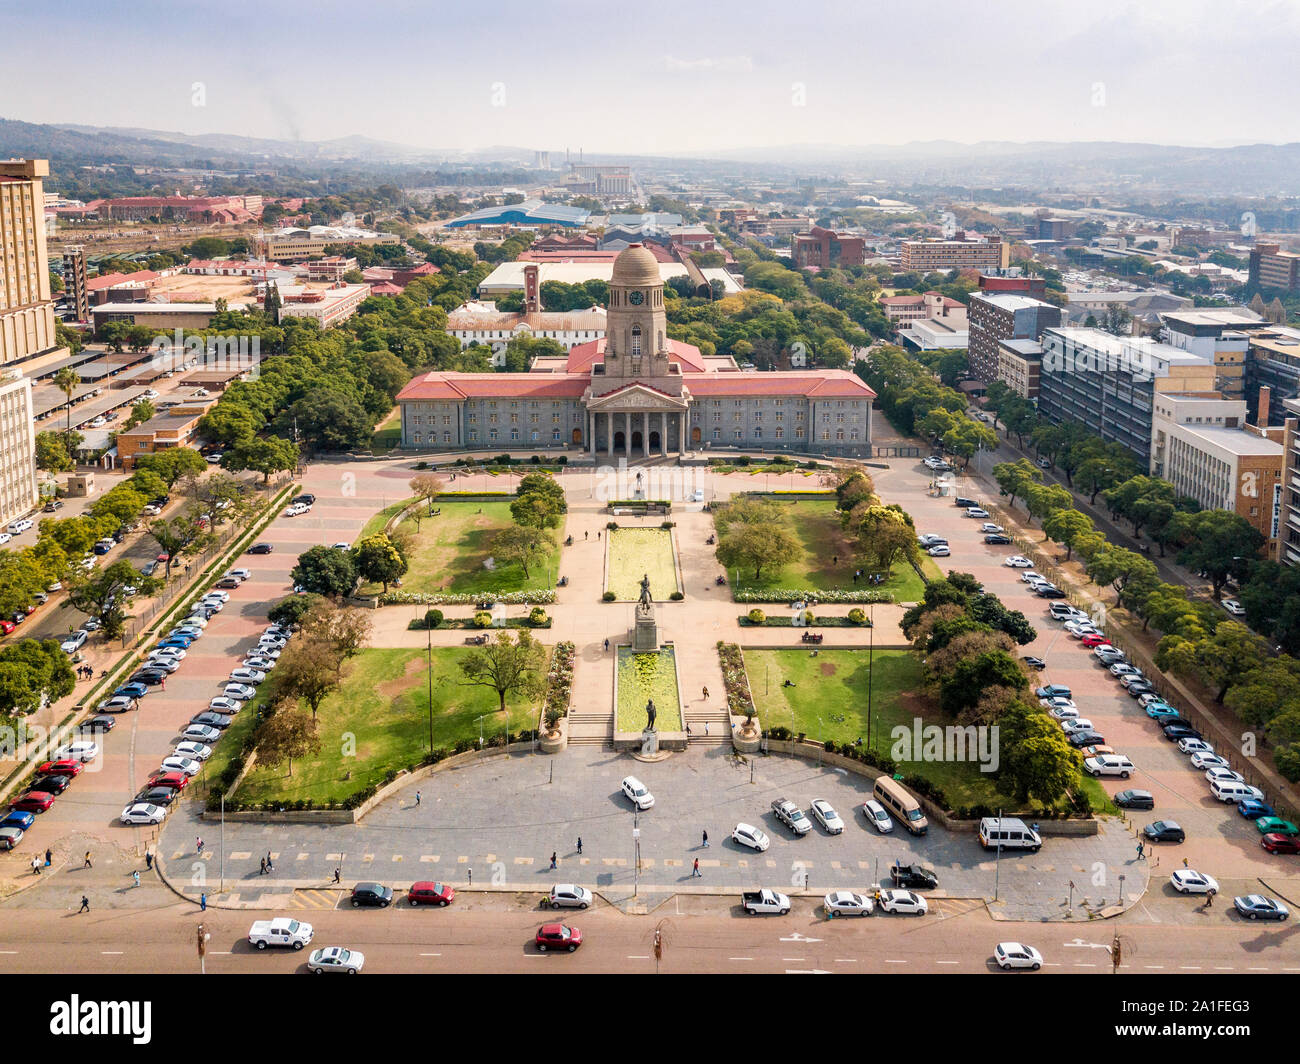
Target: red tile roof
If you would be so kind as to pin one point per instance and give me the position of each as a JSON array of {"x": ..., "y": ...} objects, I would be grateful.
[
  {"x": 813, "y": 384},
  {"x": 496, "y": 386},
  {"x": 582, "y": 356}
]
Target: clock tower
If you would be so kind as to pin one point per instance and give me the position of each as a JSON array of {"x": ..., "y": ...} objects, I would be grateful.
[{"x": 636, "y": 326}]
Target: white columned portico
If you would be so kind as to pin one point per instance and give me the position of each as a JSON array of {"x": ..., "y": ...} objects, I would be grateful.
[
  {"x": 609, "y": 435},
  {"x": 663, "y": 433}
]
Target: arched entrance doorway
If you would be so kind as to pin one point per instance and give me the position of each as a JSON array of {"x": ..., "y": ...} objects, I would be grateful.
[
  {"x": 577, "y": 436},
  {"x": 654, "y": 441},
  {"x": 695, "y": 434},
  {"x": 619, "y": 441},
  {"x": 636, "y": 440}
]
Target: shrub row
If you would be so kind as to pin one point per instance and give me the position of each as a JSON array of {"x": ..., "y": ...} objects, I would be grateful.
[
  {"x": 796, "y": 594},
  {"x": 449, "y": 598}
]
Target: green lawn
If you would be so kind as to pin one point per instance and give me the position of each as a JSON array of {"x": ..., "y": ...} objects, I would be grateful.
[
  {"x": 829, "y": 701},
  {"x": 450, "y": 550},
  {"x": 824, "y": 559},
  {"x": 642, "y": 677},
  {"x": 384, "y": 703},
  {"x": 637, "y": 552},
  {"x": 388, "y": 435}
]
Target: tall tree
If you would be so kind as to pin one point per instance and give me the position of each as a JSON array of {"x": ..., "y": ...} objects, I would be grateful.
[
  {"x": 285, "y": 735},
  {"x": 67, "y": 381},
  {"x": 523, "y": 546},
  {"x": 378, "y": 560},
  {"x": 511, "y": 663}
]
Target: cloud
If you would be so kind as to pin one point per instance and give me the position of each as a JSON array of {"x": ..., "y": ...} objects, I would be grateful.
[{"x": 725, "y": 64}]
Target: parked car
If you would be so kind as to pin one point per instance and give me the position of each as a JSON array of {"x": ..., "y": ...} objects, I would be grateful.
[
  {"x": 178, "y": 780},
  {"x": 1109, "y": 765},
  {"x": 939, "y": 551},
  {"x": 1190, "y": 881},
  {"x": 903, "y": 901},
  {"x": 261, "y": 548},
  {"x": 238, "y": 690},
  {"x": 427, "y": 893},
  {"x": 1014, "y": 955},
  {"x": 824, "y": 813},
  {"x": 557, "y": 937},
  {"x": 52, "y": 784},
  {"x": 1234, "y": 607},
  {"x": 752, "y": 837},
  {"x": 228, "y": 581},
  {"x": 143, "y": 813},
  {"x": 81, "y": 750},
  {"x": 225, "y": 706},
  {"x": 1259, "y": 907},
  {"x": 10, "y": 837},
  {"x": 1275, "y": 825},
  {"x": 1035, "y": 663},
  {"x": 1164, "y": 831},
  {"x": 847, "y": 903},
  {"x": 998, "y": 539},
  {"x": 375, "y": 894},
  {"x": 33, "y": 801},
  {"x": 201, "y": 733},
  {"x": 178, "y": 763},
  {"x": 1280, "y": 843},
  {"x": 1018, "y": 561},
  {"x": 1252, "y": 809},
  {"x": 568, "y": 896},
  {"x": 638, "y": 793},
  {"x": 213, "y": 722},
  {"x": 247, "y": 676},
  {"x": 877, "y": 817},
  {"x": 163, "y": 796},
  {"x": 791, "y": 816},
  {"x": 1132, "y": 799},
  {"x": 977, "y": 512},
  {"x": 913, "y": 877},
  {"x": 65, "y": 766}
]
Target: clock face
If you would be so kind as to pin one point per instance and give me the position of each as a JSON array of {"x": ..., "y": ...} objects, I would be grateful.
[{"x": 635, "y": 298}]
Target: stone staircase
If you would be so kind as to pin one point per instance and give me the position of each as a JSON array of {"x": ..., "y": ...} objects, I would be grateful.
[
  {"x": 712, "y": 716},
  {"x": 590, "y": 729}
]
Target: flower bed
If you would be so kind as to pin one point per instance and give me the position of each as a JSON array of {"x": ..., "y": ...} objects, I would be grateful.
[
  {"x": 788, "y": 594},
  {"x": 788, "y": 622},
  {"x": 451, "y": 623},
  {"x": 450, "y": 598},
  {"x": 739, "y": 701}
]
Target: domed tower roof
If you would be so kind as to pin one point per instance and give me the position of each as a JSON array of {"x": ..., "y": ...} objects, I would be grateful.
[{"x": 636, "y": 268}]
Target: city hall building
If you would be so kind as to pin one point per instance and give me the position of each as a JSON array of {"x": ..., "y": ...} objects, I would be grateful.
[{"x": 635, "y": 393}]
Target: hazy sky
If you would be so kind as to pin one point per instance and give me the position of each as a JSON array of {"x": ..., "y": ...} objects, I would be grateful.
[{"x": 704, "y": 75}]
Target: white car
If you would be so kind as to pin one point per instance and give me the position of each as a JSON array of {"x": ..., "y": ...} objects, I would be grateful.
[
  {"x": 175, "y": 653},
  {"x": 216, "y": 593},
  {"x": 1204, "y": 759},
  {"x": 754, "y": 838},
  {"x": 5, "y": 537},
  {"x": 194, "y": 751},
  {"x": 239, "y": 574},
  {"x": 1077, "y": 724},
  {"x": 335, "y": 959},
  {"x": 201, "y": 733},
  {"x": 115, "y": 704},
  {"x": 1188, "y": 745},
  {"x": 143, "y": 813},
  {"x": 1234, "y": 607},
  {"x": 1078, "y": 629},
  {"x": 152, "y": 510},
  {"x": 272, "y": 642},
  {"x": 1030, "y": 577},
  {"x": 1018, "y": 561},
  {"x": 1109, "y": 765},
  {"x": 265, "y": 650},
  {"x": 261, "y": 664},
  {"x": 847, "y": 903},
  {"x": 1059, "y": 713},
  {"x": 176, "y": 763},
  {"x": 637, "y": 793},
  {"x": 1190, "y": 881},
  {"x": 975, "y": 511},
  {"x": 990, "y": 529},
  {"x": 17, "y": 528},
  {"x": 249, "y": 676},
  {"x": 297, "y": 509},
  {"x": 79, "y": 751},
  {"x": 342, "y": 546},
  {"x": 238, "y": 690},
  {"x": 826, "y": 816},
  {"x": 568, "y": 896},
  {"x": 1123, "y": 668},
  {"x": 149, "y": 393},
  {"x": 939, "y": 551},
  {"x": 1223, "y": 775},
  {"x": 1017, "y": 955},
  {"x": 228, "y": 706},
  {"x": 903, "y": 901},
  {"x": 162, "y": 661},
  {"x": 877, "y": 817}
]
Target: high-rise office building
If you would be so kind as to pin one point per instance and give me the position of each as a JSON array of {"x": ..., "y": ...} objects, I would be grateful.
[
  {"x": 26, "y": 309},
  {"x": 17, "y": 447}
]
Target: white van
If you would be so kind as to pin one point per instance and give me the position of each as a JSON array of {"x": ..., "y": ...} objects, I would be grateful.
[
  {"x": 19, "y": 526},
  {"x": 638, "y": 792},
  {"x": 1008, "y": 833},
  {"x": 1229, "y": 790}
]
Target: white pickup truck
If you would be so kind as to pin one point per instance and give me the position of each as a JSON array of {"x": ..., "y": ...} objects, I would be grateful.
[
  {"x": 281, "y": 931},
  {"x": 765, "y": 901}
]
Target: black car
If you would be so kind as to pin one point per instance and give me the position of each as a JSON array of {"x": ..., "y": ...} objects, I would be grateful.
[
  {"x": 1135, "y": 800},
  {"x": 1051, "y": 593},
  {"x": 158, "y": 795},
  {"x": 914, "y": 877},
  {"x": 1139, "y": 688},
  {"x": 306, "y": 498},
  {"x": 52, "y": 784},
  {"x": 997, "y": 539},
  {"x": 101, "y": 723},
  {"x": 1035, "y": 663},
  {"x": 52, "y": 505},
  {"x": 1164, "y": 831},
  {"x": 1180, "y": 729},
  {"x": 372, "y": 894},
  {"x": 152, "y": 677},
  {"x": 260, "y": 548},
  {"x": 211, "y": 719},
  {"x": 1087, "y": 738}
]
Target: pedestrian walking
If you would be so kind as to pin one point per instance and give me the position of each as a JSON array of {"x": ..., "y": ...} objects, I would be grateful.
[
  {"x": 162, "y": 682},
  {"x": 553, "y": 855},
  {"x": 135, "y": 876},
  {"x": 198, "y": 843},
  {"x": 1184, "y": 862},
  {"x": 203, "y": 902},
  {"x": 835, "y": 560},
  {"x": 86, "y": 863},
  {"x": 338, "y": 872},
  {"x": 706, "y": 727},
  {"x": 148, "y": 859},
  {"x": 269, "y": 866},
  {"x": 49, "y": 858},
  {"x": 706, "y": 694},
  {"x": 261, "y": 871},
  {"x": 417, "y": 797},
  {"x": 704, "y": 839},
  {"x": 579, "y": 845},
  {"x": 36, "y": 867},
  {"x": 606, "y": 646},
  {"x": 470, "y": 872},
  {"x": 1209, "y": 899},
  {"x": 85, "y": 905},
  {"x": 1141, "y": 851},
  {"x": 688, "y": 729},
  {"x": 695, "y": 869},
  {"x": 1034, "y": 827},
  {"x": 585, "y": 535}
]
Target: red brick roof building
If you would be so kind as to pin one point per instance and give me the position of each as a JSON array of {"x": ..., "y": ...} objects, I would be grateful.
[{"x": 636, "y": 393}]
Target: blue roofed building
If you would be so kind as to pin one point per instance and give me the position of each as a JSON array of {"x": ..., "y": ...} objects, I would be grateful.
[{"x": 528, "y": 214}]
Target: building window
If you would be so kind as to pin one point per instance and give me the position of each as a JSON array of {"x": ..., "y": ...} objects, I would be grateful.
[
  {"x": 446, "y": 437},
  {"x": 798, "y": 433},
  {"x": 473, "y": 435},
  {"x": 636, "y": 341},
  {"x": 492, "y": 435},
  {"x": 556, "y": 435},
  {"x": 736, "y": 433},
  {"x": 717, "y": 434},
  {"x": 514, "y": 434},
  {"x": 839, "y": 434}
]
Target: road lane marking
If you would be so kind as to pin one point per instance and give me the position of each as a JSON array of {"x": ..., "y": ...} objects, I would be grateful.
[
  {"x": 1155, "y": 967},
  {"x": 638, "y": 957},
  {"x": 430, "y": 954},
  {"x": 740, "y": 958},
  {"x": 1190, "y": 967},
  {"x": 945, "y": 962},
  {"x": 887, "y": 961},
  {"x": 846, "y": 960},
  {"x": 110, "y": 953}
]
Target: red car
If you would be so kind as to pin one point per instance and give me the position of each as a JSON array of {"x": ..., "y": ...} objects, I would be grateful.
[
  {"x": 1095, "y": 640},
  {"x": 67, "y": 767},
  {"x": 1275, "y": 843},
  {"x": 430, "y": 894},
  {"x": 168, "y": 779},
  {"x": 34, "y": 802},
  {"x": 558, "y": 936}
]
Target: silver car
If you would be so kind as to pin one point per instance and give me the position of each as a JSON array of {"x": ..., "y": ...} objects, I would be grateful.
[
  {"x": 249, "y": 676},
  {"x": 335, "y": 959},
  {"x": 827, "y": 817},
  {"x": 568, "y": 896},
  {"x": 877, "y": 817}
]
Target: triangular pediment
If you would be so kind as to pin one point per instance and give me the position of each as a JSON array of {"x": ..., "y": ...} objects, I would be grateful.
[{"x": 637, "y": 396}]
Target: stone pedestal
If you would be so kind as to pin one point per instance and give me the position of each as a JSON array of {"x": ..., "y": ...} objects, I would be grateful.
[
  {"x": 649, "y": 742},
  {"x": 645, "y": 635}
]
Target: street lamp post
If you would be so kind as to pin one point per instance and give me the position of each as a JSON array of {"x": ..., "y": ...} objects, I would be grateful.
[
  {"x": 430, "y": 663},
  {"x": 871, "y": 648},
  {"x": 997, "y": 862}
]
